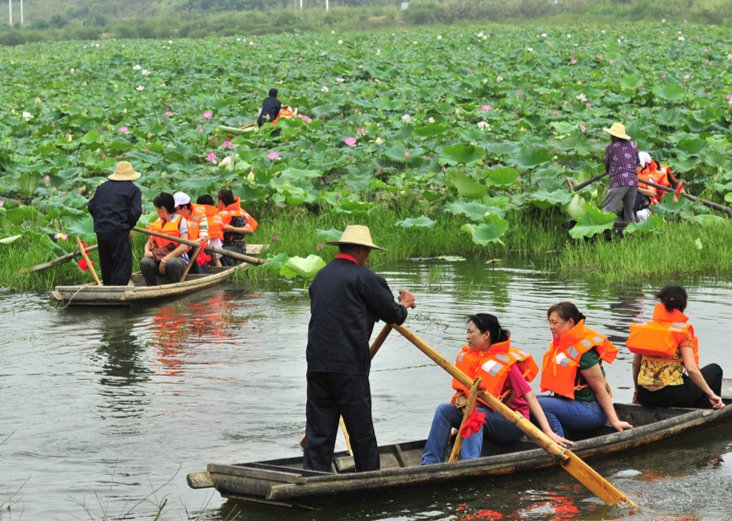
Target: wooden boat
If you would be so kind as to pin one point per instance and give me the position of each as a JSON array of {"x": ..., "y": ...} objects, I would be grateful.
[
  {"x": 284, "y": 482},
  {"x": 137, "y": 290}
]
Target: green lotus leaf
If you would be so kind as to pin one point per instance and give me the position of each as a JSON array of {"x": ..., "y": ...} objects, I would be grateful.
[
  {"x": 276, "y": 263},
  {"x": 728, "y": 197},
  {"x": 305, "y": 268},
  {"x": 692, "y": 145},
  {"x": 431, "y": 130},
  {"x": 457, "y": 154},
  {"x": 501, "y": 176},
  {"x": 668, "y": 91},
  {"x": 592, "y": 222},
  {"x": 652, "y": 224},
  {"x": 473, "y": 210},
  {"x": 544, "y": 200},
  {"x": 297, "y": 173},
  {"x": 707, "y": 219},
  {"x": 23, "y": 214},
  {"x": 328, "y": 235},
  {"x": 417, "y": 222},
  {"x": 576, "y": 207},
  {"x": 354, "y": 207},
  {"x": 466, "y": 185},
  {"x": 492, "y": 231},
  {"x": 10, "y": 240},
  {"x": 530, "y": 157},
  {"x": 668, "y": 205},
  {"x": 93, "y": 137},
  {"x": 630, "y": 82}
]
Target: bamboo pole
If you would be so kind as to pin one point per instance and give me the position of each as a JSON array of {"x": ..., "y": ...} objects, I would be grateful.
[
  {"x": 467, "y": 412},
  {"x": 59, "y": 260},
  {"x": 690, "y": 197},
  {"x": 89, "y": 264}
]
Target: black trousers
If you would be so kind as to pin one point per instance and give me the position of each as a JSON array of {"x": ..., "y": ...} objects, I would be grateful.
[
  {"x": 115, "y": 258},
  {"x": 331, "y": 395},
  {"x": 686, "y": 395}
]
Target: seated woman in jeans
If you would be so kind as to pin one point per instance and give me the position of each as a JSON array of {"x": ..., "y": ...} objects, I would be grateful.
[
  {"x": 504, "y": 372},
  {"x": 572, "y": 370}
]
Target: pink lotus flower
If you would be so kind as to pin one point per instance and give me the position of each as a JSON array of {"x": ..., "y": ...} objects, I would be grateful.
[
  {"x": 2, "y": 203},
  {"x": 273, "y": 155},
  {"x": 407, "y": 154},
  {"x": 227, "y": 144},
  {"x": 169, "y": 113},
  {"x": 519, "y": 93},
  {"x": 60, "y": 235},
  {"x": 211, "y": 158},
  {"x": 588, "y": 105},
  {"x": 350, "y": 141},
  {"x": 484, "y": 108},
  {"x": 207, "y": 115},
  {"x": 582, "y": 128},
  {"x": 123, "y": 130},
  {"x": 306, "y": 119},
  {"x": 406, "y": 118},
  {"x": 555, "y": 112},
  {"x": 729, "y": 97},
  {"x": 600, "y": 56},
  {"x": 47, "y": 179},
  {"x": 572, "y": 60},
  {"x": 361, "y": 131}
]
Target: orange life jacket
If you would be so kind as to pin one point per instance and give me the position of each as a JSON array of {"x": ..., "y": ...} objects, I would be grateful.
[
  {"x": 171, "y": 227},
  {"x": 492, "y": 367},
  {"x": 285, "y": 112},
  {"x": 660, "y": 338},
  {"x": 194, "y": 221},
  {"x": 559, "y": 369},
  {"x": 235, "y": 210},
  {"x": 215, "y": 226}
]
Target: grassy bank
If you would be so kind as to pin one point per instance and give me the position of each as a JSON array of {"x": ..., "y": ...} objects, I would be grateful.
[
  {"x": 677, "y": 250},
  {"x": 170, "y": 21}
]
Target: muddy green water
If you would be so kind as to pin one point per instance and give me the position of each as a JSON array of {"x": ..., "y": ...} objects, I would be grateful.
[{"x": 105, "y": 410}]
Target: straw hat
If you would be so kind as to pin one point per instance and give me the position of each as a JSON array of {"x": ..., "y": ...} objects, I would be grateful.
[
  {"x": 617, "y": 130},
  {"x": 358, "y": 235},
  {"x": 123, "y": 172}
]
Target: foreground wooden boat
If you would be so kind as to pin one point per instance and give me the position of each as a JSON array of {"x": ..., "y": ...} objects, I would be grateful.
[{"x": 284, "y": 482}]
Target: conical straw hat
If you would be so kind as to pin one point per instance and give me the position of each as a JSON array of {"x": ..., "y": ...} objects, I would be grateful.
[
  {"x": 123, "y": 172},
  {"x": 358, "y": 235},
  {"x": 617, "y": 130}
]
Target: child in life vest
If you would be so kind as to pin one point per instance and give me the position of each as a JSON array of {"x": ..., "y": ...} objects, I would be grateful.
[
  {"x": 504, "y": 372},
  {"x": 666, "y": 358}
]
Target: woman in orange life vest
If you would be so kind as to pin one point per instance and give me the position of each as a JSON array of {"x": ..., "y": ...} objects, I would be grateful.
[
  {"x": 572, "y": 371},
  {"x": 236, "y": 223},
  {"x": 504, "y": 372},
  {"x": 165, "y": 258},
  {"x": 666, "y": 347}
]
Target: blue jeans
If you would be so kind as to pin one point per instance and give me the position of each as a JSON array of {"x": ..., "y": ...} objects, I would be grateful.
[
  {"x": 575, "y": 415},
  {"x": 448, "y": 416}
]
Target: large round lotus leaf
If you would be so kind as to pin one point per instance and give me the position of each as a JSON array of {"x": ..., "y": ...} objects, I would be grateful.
[
  {"x": 592, "y": 222},
  {"x": 502, "y": 176},
  {"x": 466, "y": 185},
  {"x": 473, "y": 210},
  {"x": 417, "y": 222},
  {"x": 491, "y": 231},
  {"x": 668, "y": 91},
  {"x": 456, "y": 154},
  {"x": 305, "y": 268}
]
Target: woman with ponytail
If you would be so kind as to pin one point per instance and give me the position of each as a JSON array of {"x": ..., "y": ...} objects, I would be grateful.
[{"x": 504, "y": 372}]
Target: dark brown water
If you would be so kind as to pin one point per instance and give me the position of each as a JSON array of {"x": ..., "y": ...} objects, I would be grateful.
[{"x": 104, "y": 411}]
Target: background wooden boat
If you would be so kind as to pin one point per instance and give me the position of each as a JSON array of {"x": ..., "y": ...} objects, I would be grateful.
[
  {"x": 137, "y": 290},
  {"x": 284, "y": 482}
]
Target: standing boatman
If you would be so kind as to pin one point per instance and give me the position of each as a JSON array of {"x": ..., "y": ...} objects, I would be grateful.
[
  {"x": 271, "y": 107},
  {"x": 346, "y": 299},
  {"x": 115, "y": 207}
]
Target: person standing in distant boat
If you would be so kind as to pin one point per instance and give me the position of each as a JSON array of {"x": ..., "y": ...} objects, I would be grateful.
[
  {"x": 621, "y": 164},
  {"x": 271, "y": 107},
  {"x": 346, "y": 299},
  {"x": 115, "y": 207}
]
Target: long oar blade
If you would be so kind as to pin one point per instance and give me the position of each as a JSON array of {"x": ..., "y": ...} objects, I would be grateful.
[{"x": 569, "y": 461}]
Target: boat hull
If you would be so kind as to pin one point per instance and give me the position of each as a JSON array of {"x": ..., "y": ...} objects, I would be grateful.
[{"x": 284, "y": 482}]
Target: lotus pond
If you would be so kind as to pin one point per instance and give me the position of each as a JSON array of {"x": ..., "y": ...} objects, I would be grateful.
[{"x": 476, "y": 127}]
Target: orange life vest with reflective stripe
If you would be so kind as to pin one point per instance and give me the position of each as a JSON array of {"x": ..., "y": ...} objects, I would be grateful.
[
  {"x": 215, "y": 226},
  {"x": 660, "y": 338},
  {"x": 285, "y": 112},
  {"x": 559, "y": 369},
  {"x": 492, "y": 367},
  {"x": 171, "y": 227},
  {"x": 194, "y": 221}
]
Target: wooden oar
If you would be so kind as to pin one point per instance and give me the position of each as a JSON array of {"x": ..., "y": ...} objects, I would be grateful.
[
  {"x": 59, "y": 260},
  {"x": 246, "y": 258},
  {"x": 190, "y": 264},
  {"x": 375, "y": 346},
  {"x": 585, "y": 183},
  {"x": 467, "y": 412},
  {"x": 569, "y": 461},
  {"x": 690, "y": 197},
  {"x": 89, "y": 264}
]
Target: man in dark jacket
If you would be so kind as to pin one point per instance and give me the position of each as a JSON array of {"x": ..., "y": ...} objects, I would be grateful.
[
  {"x": 115, "y": 207},
  {"x": 270, "y": 108},
  {"x": 346, "y": 299}
]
